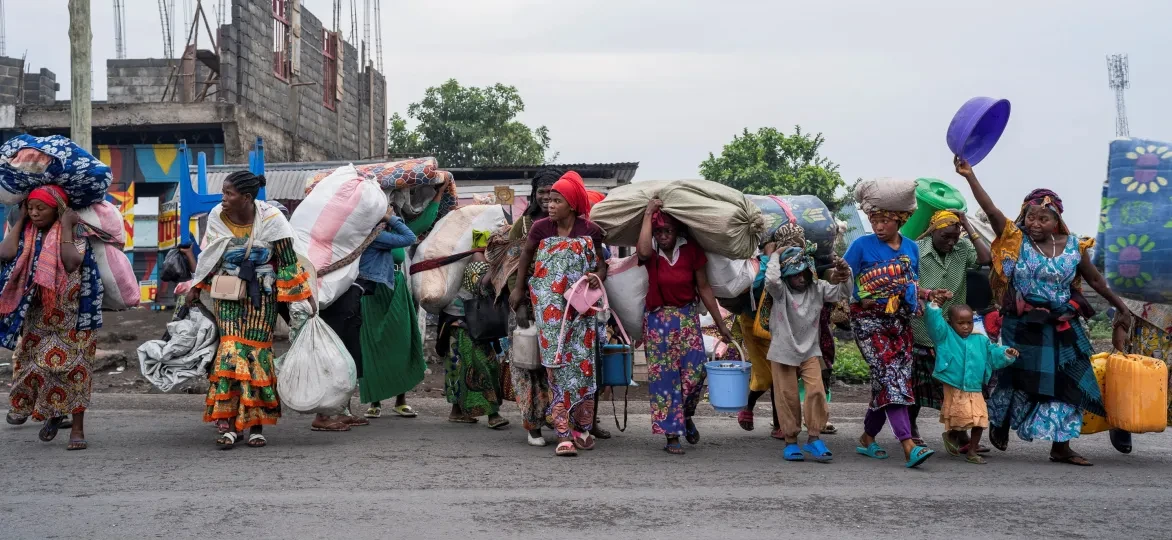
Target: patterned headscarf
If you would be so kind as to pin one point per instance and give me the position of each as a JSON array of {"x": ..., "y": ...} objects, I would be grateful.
[
  {"x": 790, "y": 235},
  {"x": 899, "y": 217},
  {"x": 942, "y": 219},
  {"x": 795, "y": 260},
  {"x": 1046, "y": 199}
]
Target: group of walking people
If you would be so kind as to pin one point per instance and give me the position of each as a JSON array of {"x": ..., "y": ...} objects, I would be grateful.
[{"x": 907, "y": 310}]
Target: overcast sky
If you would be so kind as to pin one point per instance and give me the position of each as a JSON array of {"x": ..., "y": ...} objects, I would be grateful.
[{"x": 635, "y": 80}]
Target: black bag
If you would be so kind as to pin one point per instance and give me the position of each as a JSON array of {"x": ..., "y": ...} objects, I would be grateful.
[
  {"x": 175, "y": 268},
  {"x": 486, "y": 317}
]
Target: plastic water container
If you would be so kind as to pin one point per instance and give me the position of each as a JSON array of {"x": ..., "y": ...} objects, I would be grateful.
[
  {"x": 728, "y": 385},
  {"x": 976, "y": 127},
  {"x": 1093, "y": 423},
  {"x": 618, "y": 365},
  {"x": 932, "y": 195},
  {"x": 1137, "y": 393}
]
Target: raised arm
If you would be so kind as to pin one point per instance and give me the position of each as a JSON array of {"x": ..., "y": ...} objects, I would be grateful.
[
  {"x": 645, "y": 247},
  {"x": 996, "y": 218},
  {"x": 11, "y": 243}
]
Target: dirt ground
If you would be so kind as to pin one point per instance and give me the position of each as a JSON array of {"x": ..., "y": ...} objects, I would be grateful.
[{"x": 116, "y": 365}]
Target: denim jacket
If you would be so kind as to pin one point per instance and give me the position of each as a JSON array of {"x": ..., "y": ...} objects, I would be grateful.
[{"x": 378, "y": 263}]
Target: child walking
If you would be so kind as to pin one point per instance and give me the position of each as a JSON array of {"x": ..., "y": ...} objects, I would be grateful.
[
  {"x": 795, "y": 348},
  {"x": 964, "y": 363}
]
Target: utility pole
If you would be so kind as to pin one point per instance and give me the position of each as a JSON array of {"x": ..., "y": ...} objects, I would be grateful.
[{"x": 80, "y": 42}]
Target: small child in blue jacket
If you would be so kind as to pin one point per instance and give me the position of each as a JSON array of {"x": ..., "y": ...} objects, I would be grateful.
[{"x": 964, "y": 363}]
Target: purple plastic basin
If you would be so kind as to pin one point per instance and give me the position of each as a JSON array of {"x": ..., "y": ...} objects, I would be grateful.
[{"x": 978, "y": 124}]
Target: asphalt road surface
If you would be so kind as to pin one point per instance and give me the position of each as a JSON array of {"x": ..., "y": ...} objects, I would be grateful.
[{"x": 152, "y": 471}]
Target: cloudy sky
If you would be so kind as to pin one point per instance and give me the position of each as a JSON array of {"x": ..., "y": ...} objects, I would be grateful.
[{"x": 635, "y": 80}]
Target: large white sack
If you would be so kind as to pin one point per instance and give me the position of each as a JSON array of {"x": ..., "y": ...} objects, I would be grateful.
[
  {"x": 317, "y": 375},
  {"x": 626, "y": 290},
  {"x": 891, "y": 194},
  {"x": 332, "y": 222},
  {"x": 730, "y": 278},
  {"x": 436, "y": 288}
]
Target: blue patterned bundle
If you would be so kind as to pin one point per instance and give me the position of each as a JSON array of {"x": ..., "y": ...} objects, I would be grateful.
[
  {"x": 1135, "y": 226},
  {"x": 80, "y": 174}
]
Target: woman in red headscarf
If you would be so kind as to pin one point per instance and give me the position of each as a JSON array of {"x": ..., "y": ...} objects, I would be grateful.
[
  {"x": 50, "y": 298},
  {"x": 566, "y": 248}
]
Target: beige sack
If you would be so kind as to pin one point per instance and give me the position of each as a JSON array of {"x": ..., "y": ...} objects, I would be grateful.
[
  {"x": 891, "y": 194},
  {"x": 620, "y": 214}
]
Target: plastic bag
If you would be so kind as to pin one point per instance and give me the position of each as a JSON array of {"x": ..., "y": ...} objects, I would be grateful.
[
  {"x": 730, "y": 278},
  {"x": 317, "y": 375},
  {"x": 175, "y": 268}
]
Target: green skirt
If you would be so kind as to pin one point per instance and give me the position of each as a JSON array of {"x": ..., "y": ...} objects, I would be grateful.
[{"x": 392, "y": 349}]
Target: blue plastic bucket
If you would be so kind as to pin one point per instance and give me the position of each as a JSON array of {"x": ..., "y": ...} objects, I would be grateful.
[
  {"x": 618, "y": 365},
  {"x": 976, "y": 127},
  {"x": 728, "y": 385}
]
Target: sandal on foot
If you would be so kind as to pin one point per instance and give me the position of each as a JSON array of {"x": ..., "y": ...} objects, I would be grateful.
[
  {"x": 49, "y": 430},
  {"x": 829, "y": 429},
  {"x": 256, "y": 440},
  {"x": 15, "y": 420},
  {"x": 975, "y": 460},
  {"x": 1073, "y": 459},
  {"x": 565, "y": 449},
  {"x": 354, "y": 421},
  {"x": 77, "y": 444},
  {"x": 691, "y": 434},
  {"x": 583, "y": 441},
  {"x": 792, "y": 452},
  {"x": 919, "y": 455},
  {"x": 918, "y": 441},
  {"x": 227, "y": 440},
  {"x": 818, "y": 451},
  {"x": 745, "y": 419},
  {"x": 950, "y": 445},
  {"x": 462, "y": 419},
  {"x": 329, "y": 426},
  {"x": 674, "y": 448},
  {"x": 778, "y": 434},
  {"x": 599, "y": 433},
  {"x": 374, "y": 412},
  {"x": 872, "y": 450},
  {"x": 499, "y": 423},
  {"x": 982, "y": 449},
  {"x": 405, "y": 411}
]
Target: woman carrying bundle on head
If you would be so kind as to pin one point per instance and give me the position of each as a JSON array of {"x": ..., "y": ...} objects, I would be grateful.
[
  {"x": 674, "y": 345},
  {"x": 248, "y": 248},
  {"x": 885, "y": 269},
  {"x": 1038, "y": 267},
  {"x": 50, "y": 304},
  {"x": 565, "y": 248}
]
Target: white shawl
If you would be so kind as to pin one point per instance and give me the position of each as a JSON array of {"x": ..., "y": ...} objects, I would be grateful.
[{"x": 269, "y": 227}]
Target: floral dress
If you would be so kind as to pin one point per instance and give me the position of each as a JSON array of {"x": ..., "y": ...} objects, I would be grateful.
[{"x": 560, "y": 262}]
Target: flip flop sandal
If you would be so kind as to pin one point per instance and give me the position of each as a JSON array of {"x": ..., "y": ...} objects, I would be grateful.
[
  {"x": 565, "y": 449},
  {"x": 777, "y": 434},
  {"x": 65, "y": 423},
  {"x": 745, "y": 419},
  {"x": 583, "y": 441},
  {"x": 49, "y": 430},
  {"x": 227, "y": 440},
  {"x": 872, "y": 450},
  {"x": 599, "y": 433},
  {"x": 355, "y": 421},
  {"x": 818, "y": 451},
  {"x": 691, "y": 434},
  {"x": 919, "y": 455},
  {"x": 15, "y": 420},
  {"x": 256, "y": 440},
  {"x": 374, "y": 412},
  {"x": 829, "y": 429},
  {"x": 918, "y": 441},
  {"x": 1073, "y": 459},
  {"x": 332, "y": 426},
  {"x": 500, "y": 423},
  {"x": 461, "y": 419},
  {"x": 980, "y": 449},
  {"x": 792, "y": 452},
  {"x": 951, "y": 447},
  {"x": 405, "y": 411},
  {"x": 78, "y": 444},
  {"x": 976, "y": 460},
  {"x": 674, "y": 448}
]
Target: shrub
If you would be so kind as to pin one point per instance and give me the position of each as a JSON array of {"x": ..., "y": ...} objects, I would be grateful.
[{"x": 849, "y": 366}]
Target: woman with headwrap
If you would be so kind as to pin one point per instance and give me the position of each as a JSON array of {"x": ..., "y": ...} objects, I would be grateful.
[
  {"x": 885, "y": 297},
  {"x": 795, "y": 348},
  {"x": 565, "y": 247},
  {"x": 50, "y": 304},
  {"x": 1038, "y": 269},
  {"x": 677, "y": 282},
  {"x": 250, "y": 241}
]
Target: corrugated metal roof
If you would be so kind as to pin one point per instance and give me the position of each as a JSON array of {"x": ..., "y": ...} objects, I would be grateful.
[
  {"x": 280, "y": 184},
  {"x": 856, "y": 226}
]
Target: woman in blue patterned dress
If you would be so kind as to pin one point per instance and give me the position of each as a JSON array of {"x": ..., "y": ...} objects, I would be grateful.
[{"x": 1037, "y": 269}]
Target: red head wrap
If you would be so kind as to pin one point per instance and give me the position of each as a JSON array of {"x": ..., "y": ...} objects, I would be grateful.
[
  {"x": 595, "y": 197},
  {"x": 571, "y": 188},
  {"x": 46, "y": 194}
]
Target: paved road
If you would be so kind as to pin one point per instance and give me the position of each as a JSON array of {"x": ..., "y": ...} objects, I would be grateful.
[{"x": 153, "y": 472}]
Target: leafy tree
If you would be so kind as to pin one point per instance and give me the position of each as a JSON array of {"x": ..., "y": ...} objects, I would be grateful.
[
  {"x": 769, "y": 162},
  {"x": 468, "y": 127}
]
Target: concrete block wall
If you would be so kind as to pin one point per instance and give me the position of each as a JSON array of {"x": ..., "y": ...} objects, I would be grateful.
[
  {"x": 11, "y": 72},
  {"x": 40, "y": 88},
  {"x": 141, "y": 80}
]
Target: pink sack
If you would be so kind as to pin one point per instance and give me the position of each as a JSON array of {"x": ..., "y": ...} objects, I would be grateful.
[
  {"x": 117, "y": 276},
  {"x": 106, "y": 218}
]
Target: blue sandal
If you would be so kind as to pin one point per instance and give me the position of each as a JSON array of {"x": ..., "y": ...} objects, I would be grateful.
[
  {"x": 793, "y": 453},
  {"x": 818, "y": 451},
  {"x": 919, "y": 455},
  {"x": 872, "y": 451}
]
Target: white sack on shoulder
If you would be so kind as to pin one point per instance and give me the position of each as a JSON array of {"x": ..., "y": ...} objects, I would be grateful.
[
  {"x": 730, "y": 278},
  {"x": 626, "y": 288},
  {"x": 317, "y": 375},
  {"x": 436, "y": 288}
]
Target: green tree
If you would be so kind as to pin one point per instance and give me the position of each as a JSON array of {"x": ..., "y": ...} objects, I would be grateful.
[
  {"x": 468, "y": 127},
  {"x": 769, "y": 162}
]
